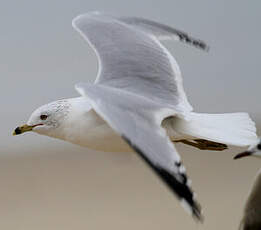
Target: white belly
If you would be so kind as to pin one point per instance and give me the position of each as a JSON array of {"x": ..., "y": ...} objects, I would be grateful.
[
  {"x": 96, "y": 134},
  {"x": 93, "y": 132},
  {"x": 103, "y": 138}
]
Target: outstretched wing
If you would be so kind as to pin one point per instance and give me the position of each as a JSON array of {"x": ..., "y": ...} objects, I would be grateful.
[
  {"x": 132, "y": 58},
  {"x": 137, "y": 120}
]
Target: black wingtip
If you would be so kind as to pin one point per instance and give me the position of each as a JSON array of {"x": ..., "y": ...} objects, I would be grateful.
[
  {"x": 194, "y": 209},
  {"x": 197, "y": 213},
  {"x": 183, "y": 192},
  {"x": 179, "y": 186},
  {"x": 194, "y": 42}
]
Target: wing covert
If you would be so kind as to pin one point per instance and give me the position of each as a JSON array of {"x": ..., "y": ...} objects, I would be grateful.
[{"x": 133, "y": 60}]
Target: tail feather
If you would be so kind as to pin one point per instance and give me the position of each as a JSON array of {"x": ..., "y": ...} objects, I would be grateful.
[{"x": 230, "y": 128}]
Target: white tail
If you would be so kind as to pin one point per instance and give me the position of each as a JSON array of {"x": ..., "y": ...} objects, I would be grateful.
[{"x": 230, "y": 128}]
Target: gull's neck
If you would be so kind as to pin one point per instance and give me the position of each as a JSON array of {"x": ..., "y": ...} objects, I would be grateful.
[{"x": 79, "y": 123}]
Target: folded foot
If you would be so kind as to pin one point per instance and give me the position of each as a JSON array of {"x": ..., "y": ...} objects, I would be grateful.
[{"x": 204, "y": 144}]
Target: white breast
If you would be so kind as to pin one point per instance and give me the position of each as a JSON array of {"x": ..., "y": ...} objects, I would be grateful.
[{"x": 92, "y": 132}]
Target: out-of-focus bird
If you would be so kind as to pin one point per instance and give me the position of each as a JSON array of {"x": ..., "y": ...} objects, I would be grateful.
[
  {"x": 252, "y": 212},
  {"x": 138, "y": 101}
]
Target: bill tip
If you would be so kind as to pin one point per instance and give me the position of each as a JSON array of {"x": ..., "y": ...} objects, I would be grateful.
[{"x": 17, "y": 131}]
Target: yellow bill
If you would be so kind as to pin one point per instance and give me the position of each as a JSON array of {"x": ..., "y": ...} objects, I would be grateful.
[{"x": 22, "y": 129}]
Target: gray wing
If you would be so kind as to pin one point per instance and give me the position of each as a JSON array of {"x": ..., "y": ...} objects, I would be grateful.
[
  {"x": 136, "y": 119},
  {"x": 132, "y": 58}
]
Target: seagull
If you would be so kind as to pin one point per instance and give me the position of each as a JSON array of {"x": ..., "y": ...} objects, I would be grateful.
[
  {"x": 137, "y": 102},
  {"x": 252, "y": 212}
]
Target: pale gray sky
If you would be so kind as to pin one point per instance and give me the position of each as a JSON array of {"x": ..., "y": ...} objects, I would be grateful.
[{"x": 42, "y": 57}]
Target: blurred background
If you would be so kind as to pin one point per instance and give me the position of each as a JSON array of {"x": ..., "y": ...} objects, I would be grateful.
[{"x": 49, "y": 184}]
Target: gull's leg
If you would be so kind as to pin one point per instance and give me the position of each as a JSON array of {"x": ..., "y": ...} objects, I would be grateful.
[
  {"x": 204, "y": 144},
  {"x": 191, "y": 143}
]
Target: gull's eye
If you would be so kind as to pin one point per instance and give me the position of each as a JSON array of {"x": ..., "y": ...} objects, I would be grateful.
[
  {"x": 259, "y": 146},
  {"x": 43, "y": 117}
]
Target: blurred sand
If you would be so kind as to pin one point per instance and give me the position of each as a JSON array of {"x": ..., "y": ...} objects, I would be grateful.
[{"x": 82, "y": 189}]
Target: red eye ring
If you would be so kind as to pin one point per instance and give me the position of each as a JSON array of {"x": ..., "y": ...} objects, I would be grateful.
[{"x": 43, "y": 117}]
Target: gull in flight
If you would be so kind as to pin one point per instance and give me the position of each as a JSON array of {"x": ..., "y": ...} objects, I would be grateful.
[
  {"x": 252, "y": 212},
  {"x": 138, "y": 102}
]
